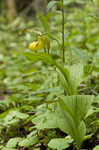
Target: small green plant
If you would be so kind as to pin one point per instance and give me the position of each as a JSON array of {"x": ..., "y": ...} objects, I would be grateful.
[
  {"x": 70, "y": 111},
  {"x": 69, "y": 108}
]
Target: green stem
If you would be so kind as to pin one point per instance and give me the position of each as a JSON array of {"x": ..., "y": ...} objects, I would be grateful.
[
  {"x": 45, "y": 50},
  {"x": 63, "y": 48}
]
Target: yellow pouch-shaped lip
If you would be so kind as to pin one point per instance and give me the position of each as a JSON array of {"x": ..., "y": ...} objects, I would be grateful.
[
  {"x": 33, "y": 46},
  {"x": 37, "y": 45},
  {"x": 41, "y": 43}
]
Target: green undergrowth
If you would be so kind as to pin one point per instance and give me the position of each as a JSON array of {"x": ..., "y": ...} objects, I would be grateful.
[{"x": 45, "y": 103}]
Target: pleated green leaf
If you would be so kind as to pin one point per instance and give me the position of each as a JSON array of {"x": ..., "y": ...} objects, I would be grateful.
[{"x": 67, "y": 115}]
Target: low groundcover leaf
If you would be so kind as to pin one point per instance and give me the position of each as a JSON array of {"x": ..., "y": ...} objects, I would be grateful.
[{"x": 60, "y": 143}]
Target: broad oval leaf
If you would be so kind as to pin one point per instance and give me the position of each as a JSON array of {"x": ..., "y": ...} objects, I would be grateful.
[
  {"x": 13, "y": 142},
  {"x": 60, "y": 143},
  {"x": 51, "y": 4},
  {"x": 28, "y": 141},
  {"x": 96, "y": 147}
]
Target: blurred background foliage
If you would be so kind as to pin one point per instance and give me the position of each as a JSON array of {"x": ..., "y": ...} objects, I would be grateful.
[{"x": 24, "y": 85}]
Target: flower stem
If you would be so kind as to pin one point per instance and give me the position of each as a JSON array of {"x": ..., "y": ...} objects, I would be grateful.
[{"x": 63, "y": 48}]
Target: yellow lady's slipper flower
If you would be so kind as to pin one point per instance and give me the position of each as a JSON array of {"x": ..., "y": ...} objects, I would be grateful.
[
  {"x": 42, "y": 43},
  {"x": 37, "y": 45}
]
